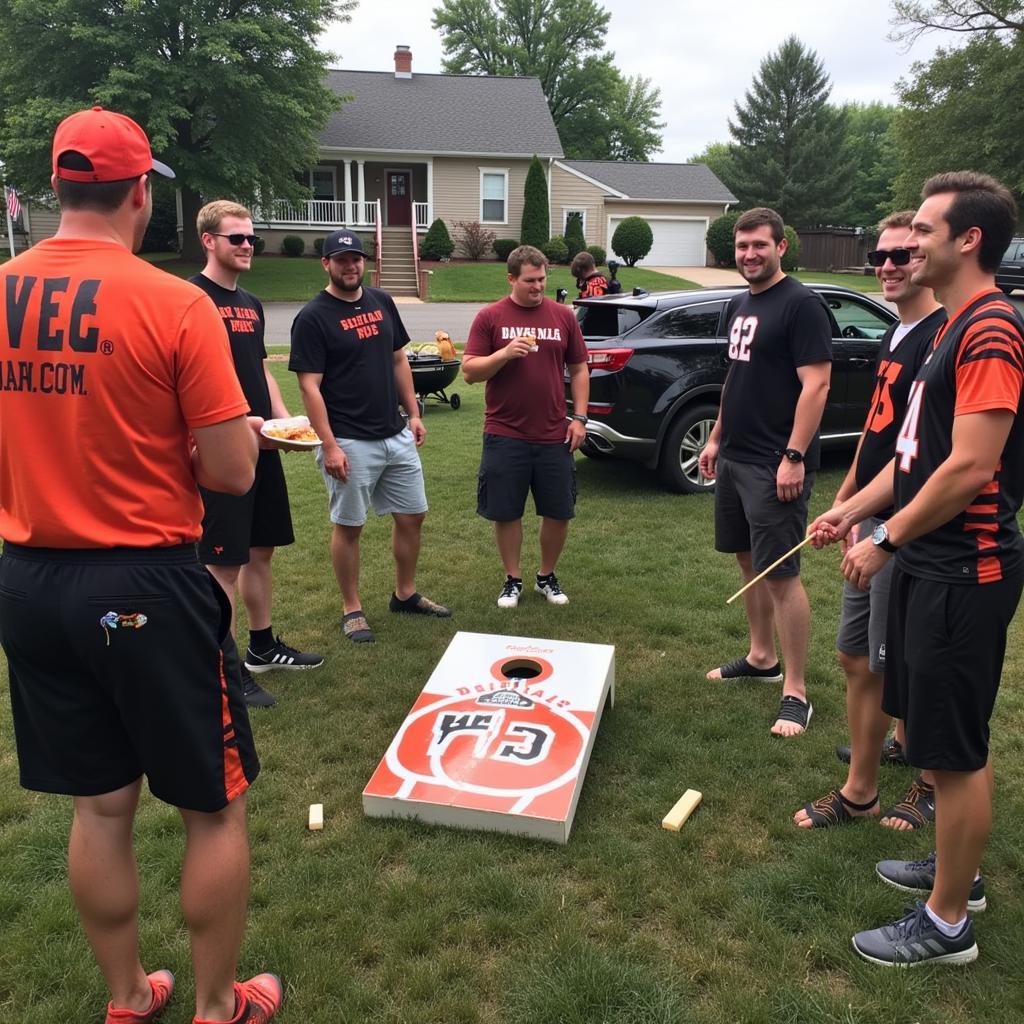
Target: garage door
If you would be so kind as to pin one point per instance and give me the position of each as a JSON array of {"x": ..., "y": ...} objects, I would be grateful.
[{"x": 677, "y": 243}]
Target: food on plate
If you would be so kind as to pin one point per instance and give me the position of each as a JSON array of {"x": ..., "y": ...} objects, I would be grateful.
[{"x": 292, "y": 433}]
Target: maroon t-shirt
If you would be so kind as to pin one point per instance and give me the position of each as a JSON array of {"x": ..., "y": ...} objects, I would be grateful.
[{"x": 526, "y": 397}]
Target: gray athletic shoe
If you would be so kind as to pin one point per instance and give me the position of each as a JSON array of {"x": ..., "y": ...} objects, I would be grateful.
[
  {"x": 918, "y": 876},
  {"x": 914, "y": 940}
]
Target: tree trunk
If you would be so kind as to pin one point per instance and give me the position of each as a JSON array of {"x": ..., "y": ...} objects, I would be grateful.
[{"x": 191, "y": 247}]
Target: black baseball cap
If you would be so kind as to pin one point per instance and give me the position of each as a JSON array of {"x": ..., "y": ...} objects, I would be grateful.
[{"x": 342, "y": 241}]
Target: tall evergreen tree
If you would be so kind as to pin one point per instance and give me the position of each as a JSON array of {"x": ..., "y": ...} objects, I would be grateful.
[
  {"x": 791, "y": 151},
  {"x": 231, "y": 94},
  {"x": 536, "y": 221}
]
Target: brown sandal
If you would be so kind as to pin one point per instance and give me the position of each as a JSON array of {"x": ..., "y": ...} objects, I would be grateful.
[
  {"x": 917, "y": 808},
  {"x": 831, "y": 809}
]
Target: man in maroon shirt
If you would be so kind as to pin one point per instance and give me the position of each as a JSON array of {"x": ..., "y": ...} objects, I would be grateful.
[{"x": 521, "y": 346}]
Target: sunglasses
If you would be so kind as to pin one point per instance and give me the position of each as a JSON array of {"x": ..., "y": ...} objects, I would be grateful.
[
  {"x": 237, "y": 239},
  {"x": 899, "y": 257}
]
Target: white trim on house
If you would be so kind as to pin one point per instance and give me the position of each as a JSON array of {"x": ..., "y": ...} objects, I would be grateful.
[
  {"x": 430, "y": 191},
  {"x": 676, "y": 202},
  {"x": 593, "y": 181},
  {"x": 566, "y": 210},
  {"x": 395, "y": 154},
  {"x": 503, "y": 171}
]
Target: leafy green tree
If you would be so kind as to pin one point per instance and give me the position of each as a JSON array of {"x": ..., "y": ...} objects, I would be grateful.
[
  {"x": 720, "y": 238},
  {"x": 574, "y": 240},
  {"x": 791, "y": 259},
  {"x": 599, "y": 114},
  {"x": 536, "y": 220},
  {"x": 912, "y": 17},
  {"x": 791, "y": 151},
  {"x": 632, "y": 240},
  {"x": 876, "y": 161},
  {"x": 720, "y": 158},
  {"x": 231, "y": 94}
]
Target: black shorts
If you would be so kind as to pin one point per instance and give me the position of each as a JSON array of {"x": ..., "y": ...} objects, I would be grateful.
[
  {"x": 944, "y": 655},
  {"x": 260, "y": 518},
  {"x": 121, "y": 664},
  {"x": 750, "y": 517},
  {"x": 511, "y": 468}
]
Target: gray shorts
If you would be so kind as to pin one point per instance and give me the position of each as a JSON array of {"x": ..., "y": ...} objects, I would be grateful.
[
  {"x": 385, "y": 474},
  {"x": 750, "y": 517},
  {"x": 862, "y": 619}
]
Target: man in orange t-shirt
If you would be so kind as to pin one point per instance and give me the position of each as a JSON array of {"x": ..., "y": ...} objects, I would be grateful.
[{"x": 119, "y": 395}]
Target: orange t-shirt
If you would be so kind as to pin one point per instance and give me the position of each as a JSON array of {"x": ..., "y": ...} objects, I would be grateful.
[{"x": 106, "y": 364}]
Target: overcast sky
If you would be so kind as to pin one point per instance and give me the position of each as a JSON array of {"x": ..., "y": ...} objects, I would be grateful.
[{"x": 702, "y": 55}]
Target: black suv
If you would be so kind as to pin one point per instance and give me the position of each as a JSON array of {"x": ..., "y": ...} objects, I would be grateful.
[
  {"x": 658, "y": 362},
  {"x": 1010, "y": 274}
]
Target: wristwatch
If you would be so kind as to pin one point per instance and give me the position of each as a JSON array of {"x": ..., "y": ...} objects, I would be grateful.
[
  {"x": 580, "y": 418},
  {"x": 793, "y": 454},
  {"x": 880, "y": 538}
]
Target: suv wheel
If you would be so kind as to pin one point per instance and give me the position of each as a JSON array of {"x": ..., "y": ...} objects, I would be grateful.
[{"x": 683, "y": 444}]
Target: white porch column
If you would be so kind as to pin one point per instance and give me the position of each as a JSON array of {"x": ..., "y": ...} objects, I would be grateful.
[
  {"x": 348, "y": 218},
  {"x": 430, "y": 191},
  {"x": 361, "y": 189}
]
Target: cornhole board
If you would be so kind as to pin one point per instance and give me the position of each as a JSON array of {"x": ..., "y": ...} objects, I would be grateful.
[{"x": 499, "y": 738}]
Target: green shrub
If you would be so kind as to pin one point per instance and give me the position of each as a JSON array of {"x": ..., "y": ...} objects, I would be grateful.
[
  {"x": 503, "y": 246},
  {"x": 720, "y": 239},
  {"x": 556, "y": 250},
  {"x": 437, "y": 244},
  {"x": 475, "y": 239},
  {"x": 261, "y": 244},
  {"x": 292, "y": 245},
  {"x": 791, "y": 261},
  {"x": 632, "y": 240},
  {"x": 369, "y": 243},
  {"x": 574, "y": 239},
  {"x": 600, "y": 256},
  {"x": 536, "y": 225},
  {"x": 318, "y": 246}
]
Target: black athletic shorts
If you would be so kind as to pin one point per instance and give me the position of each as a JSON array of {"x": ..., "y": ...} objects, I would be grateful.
[
  {"x": 261, "y": 518},
  {"x": 511, "y": 468},
  {"x": 121, "y": 664},
  {"x": 944, "y": 655},
  {"x": 750, "y": 517}
]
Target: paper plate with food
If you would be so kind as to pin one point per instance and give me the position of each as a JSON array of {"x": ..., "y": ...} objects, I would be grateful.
[{"x": 293, "y": 434}]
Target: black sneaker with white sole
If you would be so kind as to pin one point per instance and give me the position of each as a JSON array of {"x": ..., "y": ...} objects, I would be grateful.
[
  {"x": 915, "y": 939},
  {"x": 255, "y": 695},
  {"x": 548, "y": 586},
  {"x": 511, "y": 591},
  {"x": 280, "y": 655},
  {"x": 918, "y": 876}
]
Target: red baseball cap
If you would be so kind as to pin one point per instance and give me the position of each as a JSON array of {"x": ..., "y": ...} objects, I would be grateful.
[{"x": 114, "y": 144}]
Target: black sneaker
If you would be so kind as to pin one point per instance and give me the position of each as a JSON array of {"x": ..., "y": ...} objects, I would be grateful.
[
  {"x": 914, "y": 940},
  {"x": 918, "y": 876},
  {"x": 548, "y": 586},
  {"x": 255, "y": 695},
  {"x": 280, "y": 655},
  {"x": 892, "y": 753}
]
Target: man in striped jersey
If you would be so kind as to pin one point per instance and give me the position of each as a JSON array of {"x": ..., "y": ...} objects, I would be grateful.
[{"x": 956, "y": 484}]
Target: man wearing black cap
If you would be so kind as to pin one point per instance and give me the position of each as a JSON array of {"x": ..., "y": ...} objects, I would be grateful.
[
  {"x": 347, "y": 351},
  {"x": 120, "y": 657}
]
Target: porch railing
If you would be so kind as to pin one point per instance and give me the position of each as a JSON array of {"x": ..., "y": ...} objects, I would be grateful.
[
  {"x": 420, "y": 214},
  {"x": 328, "y": 212}
]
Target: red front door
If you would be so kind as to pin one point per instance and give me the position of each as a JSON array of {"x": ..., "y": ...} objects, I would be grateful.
[{"x": 399, "y": 198}]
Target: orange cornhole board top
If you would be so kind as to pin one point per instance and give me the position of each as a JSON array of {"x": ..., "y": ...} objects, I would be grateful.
[{"x": 499, "y": 738}]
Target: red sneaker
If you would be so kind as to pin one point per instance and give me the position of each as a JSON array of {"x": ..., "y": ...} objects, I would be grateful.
[
  {"x": 162, "y": 984},
  {"x": 257, "y": 1001}
]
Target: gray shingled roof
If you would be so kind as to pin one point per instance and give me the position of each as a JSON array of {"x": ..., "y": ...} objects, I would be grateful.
[
  {"x": 681, "y": 182},
  {"x": 441, "y": 114}
]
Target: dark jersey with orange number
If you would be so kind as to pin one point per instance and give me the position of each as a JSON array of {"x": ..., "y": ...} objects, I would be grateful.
[
  {"x": 894, "y": 373},
  {"x": 976, "y": 365},
  {"x": 592, "y": 287}
]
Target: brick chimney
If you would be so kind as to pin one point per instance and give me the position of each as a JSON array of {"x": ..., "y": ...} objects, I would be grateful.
[{"x": 403, "y": 62}]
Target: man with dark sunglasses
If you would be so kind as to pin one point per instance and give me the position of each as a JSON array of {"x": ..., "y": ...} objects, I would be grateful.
[
  {"x": 241, "y": 533},
  {"x": 862, "y": 623}
]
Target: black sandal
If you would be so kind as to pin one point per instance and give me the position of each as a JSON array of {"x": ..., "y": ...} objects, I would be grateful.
[
  {"x": 793, "y": 709},
  {"x": 742, "y": 669},
  {"x": 917, "y": 808},
  {"x": 831, "y": 809}
]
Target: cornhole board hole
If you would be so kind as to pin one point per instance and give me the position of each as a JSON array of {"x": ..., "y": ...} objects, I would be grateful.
[{"x": 499, "y": 738}]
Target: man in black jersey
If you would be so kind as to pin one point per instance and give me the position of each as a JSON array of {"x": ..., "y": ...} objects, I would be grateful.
[
  {"x": 861, "y": 639},
  {"x": 347, "y": 349},
  {"x": 240, "y": 534},
  {"x": 956, "y": 483},
  {"x": 763, "y": 451}
]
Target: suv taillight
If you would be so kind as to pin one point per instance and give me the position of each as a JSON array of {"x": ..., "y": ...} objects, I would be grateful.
[{"x": 608, "y": 359}]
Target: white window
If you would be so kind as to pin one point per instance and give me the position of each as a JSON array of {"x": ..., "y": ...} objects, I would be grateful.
[
  {"x": 323, "y": 181},
  {"x": 566, "y": 210},
  {"x": 493, "y": 196}
]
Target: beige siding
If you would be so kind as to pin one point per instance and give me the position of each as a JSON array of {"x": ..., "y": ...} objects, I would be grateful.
[
  {"x": 457, "y": 192},
  {"x": 571, "y": 192},
  {"x": 44, "y": 222},
  {"x": 701, "y": 211}
]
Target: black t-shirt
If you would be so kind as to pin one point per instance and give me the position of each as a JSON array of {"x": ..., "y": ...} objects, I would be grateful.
[
  {"x": 894, "y": 373},
  {"x": 243, "y": 319},
  {"x": 976, "y": 365},
  {"x": 353, "y": 345},
  {"x": 770, "y": 335}
]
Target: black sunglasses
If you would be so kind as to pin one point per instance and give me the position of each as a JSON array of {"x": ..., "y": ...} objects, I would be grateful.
[
  {"x": 237, "y": 239},
  {"x": 899, "y": 257}
]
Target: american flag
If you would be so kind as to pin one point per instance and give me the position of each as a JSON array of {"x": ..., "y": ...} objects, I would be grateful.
[{"x": 13, "y": 203}]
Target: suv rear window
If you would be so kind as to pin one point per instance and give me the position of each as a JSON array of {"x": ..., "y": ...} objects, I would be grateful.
[
  {"x": 699, "y": 321},
  {"x": 608, "y": 320}
]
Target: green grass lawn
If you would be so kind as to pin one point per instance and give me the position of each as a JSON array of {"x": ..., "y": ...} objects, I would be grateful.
[
  {"x": 859, "y": 282},
  {"x": 272, "y": 278},
  {"x": 488, "y": 282},
  {"x": 739, "y": 918}
]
